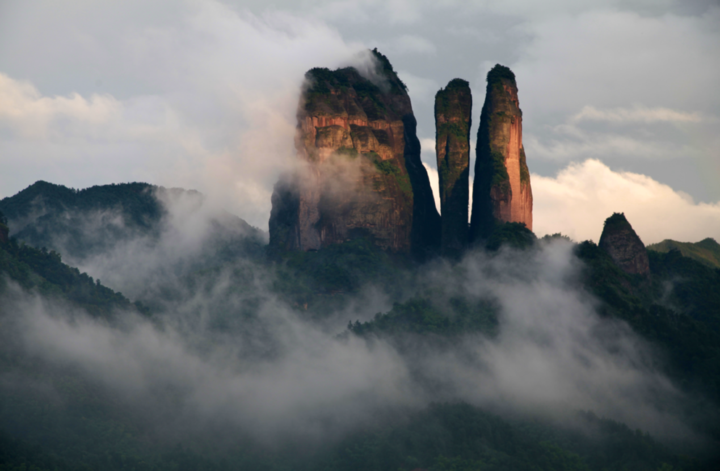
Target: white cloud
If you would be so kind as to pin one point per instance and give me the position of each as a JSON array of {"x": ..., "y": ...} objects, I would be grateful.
[
  {"x": 613, "y": 59},
  {"x": 217, "y": 111},
  {"x": 636, "y": 114},
  {"x": 578, "y": 200},
  {"x": 24, "y": 109},
  {"x": 428, "y": 145},
  {"x": 369, "y": 11},
  {"x": 434, "y": 184}
]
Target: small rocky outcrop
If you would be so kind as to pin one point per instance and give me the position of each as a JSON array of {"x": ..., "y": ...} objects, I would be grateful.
[
  {"x": 453, "y": 111},
  {"x": 501, "y": 190},
  {"x": 624, "y": 246},
  {"x": 360, "y": 173}
]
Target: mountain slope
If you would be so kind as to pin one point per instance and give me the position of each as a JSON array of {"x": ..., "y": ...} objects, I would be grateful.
[
  {"x": 707, "y": 251},
  {"x": 84, "y": 223}
]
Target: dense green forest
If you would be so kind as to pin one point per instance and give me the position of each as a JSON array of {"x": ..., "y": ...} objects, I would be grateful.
[{"x": 56, "y": 415}]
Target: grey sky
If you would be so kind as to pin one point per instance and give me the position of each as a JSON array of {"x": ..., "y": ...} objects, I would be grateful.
[{"x": 201, "y": 94}]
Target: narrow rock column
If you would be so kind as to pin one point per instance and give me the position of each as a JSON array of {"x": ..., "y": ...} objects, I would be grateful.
[
  {"x": 501, "y": 191},
  {"x": 453, "y": 111}
]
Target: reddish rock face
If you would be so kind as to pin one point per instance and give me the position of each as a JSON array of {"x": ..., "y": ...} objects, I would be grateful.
[
  {"x": 453, "y": 110},
  {"x": 624, "y": 246},
  {"x": 361, "y": 174},
  {"x": 501, "y": 190}
]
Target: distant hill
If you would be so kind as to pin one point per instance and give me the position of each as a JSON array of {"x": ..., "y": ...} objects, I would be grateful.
[
  {"x": 43, "y": 271},
  {"x": 707, "y": 251},
  {"x": 83, "y": 223}
]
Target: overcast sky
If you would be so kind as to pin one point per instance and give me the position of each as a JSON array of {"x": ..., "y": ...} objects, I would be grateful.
[{"x": 620, "y": 99}]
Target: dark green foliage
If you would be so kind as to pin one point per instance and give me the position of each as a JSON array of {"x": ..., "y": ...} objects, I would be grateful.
[
  {"x": 4, "y": 230},
  {"x": 135, "y": 200},
  {"x": 457, "y": 130},
  {"x": 44, "y": 214},
  {"x": 511, "y": 234},
  {"x": 456, "y": 88},
  {"x": 387, "y": 167},
  {"x": 397, "y": 85},
  {"x": 617, "y": 222},
  {"x": 457, "y": 84},
  {"x": 84, "y": 223},
  {"x": 43, "y": 270},
  {"x": 500, "y": 177},
  {"x": 425, "y": 316},
  {"x": 461, "y": 437},
  {"x": 695, "y": 286},
  {"x": 686, "y": 333},
  {"x": 314, "y": 278},
  {"x": 499, "y": 73},
  {"x": 524, "y": 171},
  {"x": 63, "y": 421},
  {"x": 322, "y": 81},
  {"x": 556, "y": 236}
]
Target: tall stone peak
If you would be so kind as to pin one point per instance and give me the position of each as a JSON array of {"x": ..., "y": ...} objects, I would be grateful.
[
  {"x": 501, "y": 190},
  {"x": 453, "y": 118},
  {"x": 624, "y": 246},
  {"x": 360, "y": 169}
]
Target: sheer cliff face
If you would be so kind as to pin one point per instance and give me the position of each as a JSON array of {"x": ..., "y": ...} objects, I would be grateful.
[
  {"x": 453, "y": 109},
  {"x": 361, "y": 172},
  {"x": 501, "y": 191},
  {"x": 624, "y": 246}
]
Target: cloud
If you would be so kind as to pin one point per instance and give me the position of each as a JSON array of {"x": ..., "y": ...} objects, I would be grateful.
[
  {"x": 422, "y": 89},
  {"x": 25, "y": 110},
  {"x": 572, "y": 143},
  {"x": 214, "y": 109},
  {"x": 618, "y": 57},
  {"x": 577, "y": 201},
  {"x": 411, "y": 44},
  {"x": 580, "y": 74},
  {"x": 434, "y": 183},
  {"x": 634, "y": 115},
  {"x": 274, "y": 374},
  {"x": 553, "y": 353},
  {"x": 313, "y": 386},
  {"x": 393, "y": 12}
]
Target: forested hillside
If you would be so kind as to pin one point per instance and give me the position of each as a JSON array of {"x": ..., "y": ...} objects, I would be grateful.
[{"x": 369, "y": 360}]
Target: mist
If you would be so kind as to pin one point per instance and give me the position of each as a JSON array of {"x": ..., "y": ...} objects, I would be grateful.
[{"x": 226, "y": 351}]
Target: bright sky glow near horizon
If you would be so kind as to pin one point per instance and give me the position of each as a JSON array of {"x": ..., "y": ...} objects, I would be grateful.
[{"x": 620, "y": 103}]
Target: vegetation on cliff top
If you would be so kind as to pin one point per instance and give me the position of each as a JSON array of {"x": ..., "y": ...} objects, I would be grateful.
[
  {"x": 499, "y": 73},
  {"x": 616, "y": 222},
  {"x": 397, "y": 85}
]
